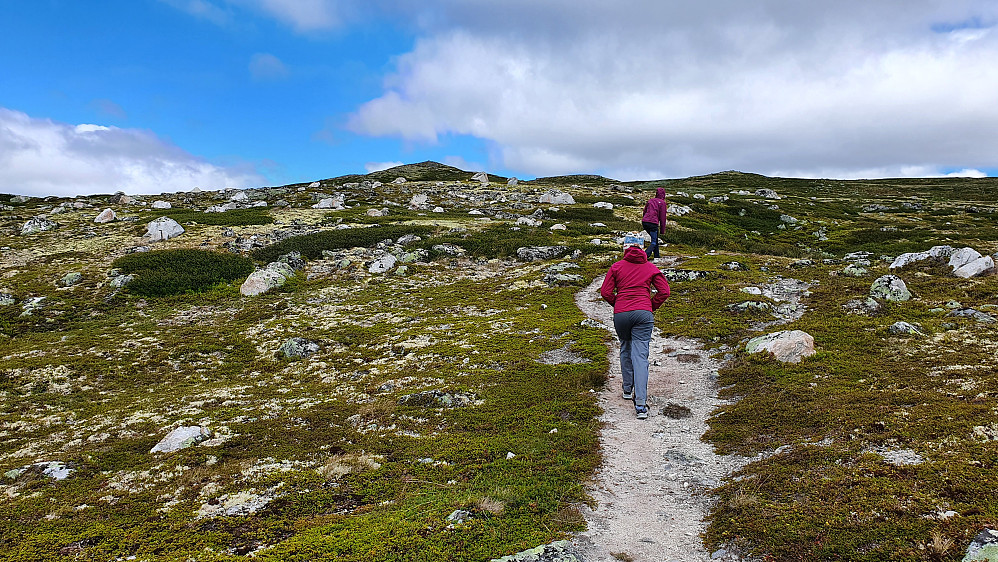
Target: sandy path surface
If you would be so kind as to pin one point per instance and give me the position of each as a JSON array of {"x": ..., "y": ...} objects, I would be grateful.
[{"x": 651, "y": 490}]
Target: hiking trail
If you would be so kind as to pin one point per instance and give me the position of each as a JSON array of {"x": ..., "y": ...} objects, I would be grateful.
[{"x": 652, "y": 490}]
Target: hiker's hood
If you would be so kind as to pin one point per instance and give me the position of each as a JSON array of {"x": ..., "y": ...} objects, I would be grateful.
[
  {"x": 635, "y": 254},
  {"x": 660, "y": 193}
]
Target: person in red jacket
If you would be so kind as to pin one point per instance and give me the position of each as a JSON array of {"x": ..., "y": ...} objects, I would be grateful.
[
  {"x": 627, "y": 286},
  {"x": 654, "y": 218}
]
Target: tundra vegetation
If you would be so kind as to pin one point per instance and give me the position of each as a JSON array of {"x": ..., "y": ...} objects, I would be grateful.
[{"x": 421, "y": 424}]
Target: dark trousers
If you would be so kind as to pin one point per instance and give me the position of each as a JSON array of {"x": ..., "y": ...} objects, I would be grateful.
[{"x": 652, "y": 229}]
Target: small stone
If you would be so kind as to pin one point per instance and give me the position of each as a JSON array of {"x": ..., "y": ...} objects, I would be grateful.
[{"x": 181, "y": 438}]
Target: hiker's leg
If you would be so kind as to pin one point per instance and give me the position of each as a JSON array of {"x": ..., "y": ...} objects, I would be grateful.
[
  {"x": 652, "y": 230},
  {"x": 622, "y": 325},
  {"x": 640, "y": 344}
]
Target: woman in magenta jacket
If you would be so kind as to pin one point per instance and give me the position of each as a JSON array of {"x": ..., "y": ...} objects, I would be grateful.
[
  {"x": 654, "y": 219},
  {"x": 627, "y": 287}
]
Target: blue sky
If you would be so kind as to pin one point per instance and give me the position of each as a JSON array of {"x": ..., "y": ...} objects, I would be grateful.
[{"x": 162, "y": 95}]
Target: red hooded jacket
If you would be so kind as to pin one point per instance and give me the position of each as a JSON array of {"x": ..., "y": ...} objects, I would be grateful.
[
  {"x": 656, "y": 209},
  {"x": 627, "y": 285}
]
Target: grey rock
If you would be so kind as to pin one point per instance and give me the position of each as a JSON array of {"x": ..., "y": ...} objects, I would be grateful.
[
  {"x": 941, "y": 251},
  {"x": 38, "y": 224},
  {"x": 976, "y": 315},
  {"x": 789, "y": 346},
  {"x": 678, "y": 275},
  {"x": 71, "y": 279},
  {"x": 718, "y": 199},
  {"x": 20, "y": 199},
  {"x": 31, "y": 305},
  {"x": 329, "y": 203},
  {"x": 407, "y": 239},
  {"x": 853, "y": 270},
  {"x": 749, "y": 305},
  {"x": 382, "y": 264},
  {"x": 418, "y": 201},
  {"x": 603, "y": 205},
  {"x": 163, "y": 228},
  {"x": 905, "y": 329},
  {"x": 538, "y": 253},
  {"x": 181, "y": 438},
  {"x": 767, "y": 193},
  {"x": 297, "y": 348},
  {"x": 984, "y": 547},
  {"x": 105, "y": 216},
  {"x": 7, "y": 299},
  {"x": 512, "y": 182},
  {"x": 563, "y": 279},
  {"x": 557, "y": 197},
  {"x": 560, "y": 356},
  {"x": 700, "y": 196},
  {"x": 418, "y": 255},
  {"x": 976, "y": 268},
  {"x": 222, "y": 208},
  {"x": 962, "y": 257},
  {"x": 265, "y": 279},
  {"x": 528, "y": 221},
  {"x": 119, "y": 281},
  {"x": 890, "y": 288},
  {"x": 677, "y": 210},
  {"x": 907, "y": 259},
  {"x": 459, "y": 516},
  {"x": 734, "y": 266},
  {"x": 399, "y": 180},
  {"x": 449, "y": 249},
  {"x": 788, "y": 219},
  {"x": 161, "y": 205},
  {"x": 481, "y": 177},
  {"x": 560, "y": 551}
]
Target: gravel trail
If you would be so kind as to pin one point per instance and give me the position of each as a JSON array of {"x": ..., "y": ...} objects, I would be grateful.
[{"x": 652, "y": 489}]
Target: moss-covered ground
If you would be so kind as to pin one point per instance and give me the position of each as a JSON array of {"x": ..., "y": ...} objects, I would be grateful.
[{"x": 330, "y": 457}]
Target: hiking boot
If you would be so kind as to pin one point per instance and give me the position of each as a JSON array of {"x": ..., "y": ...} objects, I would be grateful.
[
  {"x": 642, "y": 412},
  {"x": 628, "y": 394}
]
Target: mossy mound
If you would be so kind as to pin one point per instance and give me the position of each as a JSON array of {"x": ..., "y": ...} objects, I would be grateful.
[{"x": 171, "y": 272}]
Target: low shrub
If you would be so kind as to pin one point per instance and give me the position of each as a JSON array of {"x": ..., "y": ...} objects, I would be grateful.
[
  {"x": 235, "y": 217},
  {"x": 171, "y": 272},
  {"x": 310, "y": 246}
]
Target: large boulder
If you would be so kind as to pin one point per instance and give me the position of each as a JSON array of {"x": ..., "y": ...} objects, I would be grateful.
[
  {"x": 677, "y": 210},
  {"x": 181, "y": 438},
  {"x": 329, "y": 203},
  {"x": 163, "y": 228},
  {"x": 980, "y": 266},
  {"x": 556, "y": 197},
  {"x": 890, "y": 288},
  {"x": 962, "y": 257},
  {"x": 481, "y": 177},
  {"x": 274, "y": 275},
  {"x": 159, "y": 204},
  {"x": 789, "y": 346},
  {"x": 105, "y": 216},
  {"x": 382, "y": 264}
]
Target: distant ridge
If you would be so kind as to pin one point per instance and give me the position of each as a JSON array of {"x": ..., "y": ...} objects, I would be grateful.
[{"x": 422, "y": 171}]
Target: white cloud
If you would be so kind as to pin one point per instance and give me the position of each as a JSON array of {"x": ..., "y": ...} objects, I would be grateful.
[
  {"x": 43, "y": 157},
  {"x": 849, "y": 88},
  {"x": 378, "y": 166},
  {"x": 302, "y": 15},
  {"x": 265, "y": 67}
]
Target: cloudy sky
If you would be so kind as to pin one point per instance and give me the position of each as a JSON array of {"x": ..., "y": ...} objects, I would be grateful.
[{"x": 148, "y": 96}]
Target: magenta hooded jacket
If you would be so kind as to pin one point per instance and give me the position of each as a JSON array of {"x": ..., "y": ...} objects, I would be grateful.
[
  {"x": 627, "y": 285},
  {"x": 656, "y": 209}
]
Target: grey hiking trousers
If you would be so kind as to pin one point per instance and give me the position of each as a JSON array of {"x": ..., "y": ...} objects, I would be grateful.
[{"x": 634, "y": 331}]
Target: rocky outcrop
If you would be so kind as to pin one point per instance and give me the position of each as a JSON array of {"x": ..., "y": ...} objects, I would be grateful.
[
  {"x": 297, "y": 348},
  {"x": 105, "y": 216},
  {"x": 560, "y": 551},
  {"x": 273, "y": 275},
  {"x": 789, "y": 346},
  {"x": 538, "y": 253},
  {"x": 984, "y": 547}
]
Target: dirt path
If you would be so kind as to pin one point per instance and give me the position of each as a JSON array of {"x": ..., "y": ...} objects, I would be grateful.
[{"x": 650, "y": 491}]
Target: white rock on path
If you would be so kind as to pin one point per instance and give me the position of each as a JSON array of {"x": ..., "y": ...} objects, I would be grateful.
[
  {"x": 789, "y": 346},
  {"x": 164, "y": 228},
  {"x": 181, "y": 438}
]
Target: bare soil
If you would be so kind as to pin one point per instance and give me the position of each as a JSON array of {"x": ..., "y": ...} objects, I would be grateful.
[{"x": 653, "y": 490}]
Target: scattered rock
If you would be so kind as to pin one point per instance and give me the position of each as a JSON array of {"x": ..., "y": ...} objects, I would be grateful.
[
  {"x": 983, "y": 548},
  {"x": 861, "y": 306},
  {"x": 678, "y": 275},
  {"x": 181, "y": 438},
  {"x": 734, "y": 266},
  {"x": 677, "y": 210},
  {"x": 538, "y": 253},
  {"x": 449, "y": 249},
  {"x": 557, "y": 197},
  {"x": 163, "y": 228},
  {"x": 975, "y": 268},
  {"x": 382, "y": 264},
  {"x": 161, "y": 205},
  {"x": 38, "y": 224},
  {"x": 329, "y": 203},
  {"x": 603, "y": 205},
  {"x": 890, "y": 288},
  {"x": 105, "y": 216},
  {"x": 962, "y": 257},
  {"x": 298, "y": 348},
  {"x": 905, "y": 329},
  {"x": 854, "y": 270},
  {"x": 440, "y": 399},
  {"x": 767, "y": 193},
  {"x": 71, "y": 279},
  {"x": 399, "y": 180},
  {"x": 977, "y": 315},
  {"x": 560, "y": 551},
  {"x": 512, "y": 182},
  {"x": 899, "y": 457},
  {"x": 789, "y": 346},
  {"x": 528, "y": 221},
  {"x": 274, "y": 275},
  {"x": 560, "y": 356},
  {"x": 459, "y": 516}
]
